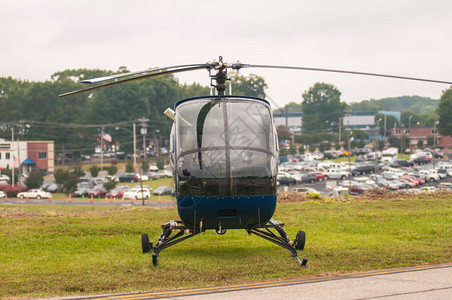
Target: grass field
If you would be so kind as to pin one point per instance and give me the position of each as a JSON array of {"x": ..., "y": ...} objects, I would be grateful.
[{"x": 76, "y": 251}]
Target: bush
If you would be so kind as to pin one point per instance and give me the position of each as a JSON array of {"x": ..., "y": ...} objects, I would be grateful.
[
  {"x": 78, "y": 172},
  {"x": 129, "y": 168},
  {"x": 12, "y": 192},
  {"x": 160, "y": 164},
  {"x": 94, "y": 170},
  {"x": 35, "y": 179},
  {"x": 109, "y": 184},
  {"x": 112, "y": 170}
]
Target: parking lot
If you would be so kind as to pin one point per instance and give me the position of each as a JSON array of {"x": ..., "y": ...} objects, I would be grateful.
[{"x": 325, "y": 187}]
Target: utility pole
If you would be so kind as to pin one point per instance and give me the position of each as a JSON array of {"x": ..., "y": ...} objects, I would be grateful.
[
  {"x": 143, "y": 132},
  {"x": 435, "y": 132},
  {"x": 12, "y": 169},
  {"x": 377, "y": 135},
  {"x": 384, "y": 133},
  {"x": 134, "y": 146},
  {"x": 409, "y": 125},
  {"x": 340, "y": 130},
  {"x": 102, "y": 148},
  {"x": 350, "y": 139}
]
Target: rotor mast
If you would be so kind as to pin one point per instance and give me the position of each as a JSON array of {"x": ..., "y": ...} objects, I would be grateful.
[{"x": 220, "y": 77}]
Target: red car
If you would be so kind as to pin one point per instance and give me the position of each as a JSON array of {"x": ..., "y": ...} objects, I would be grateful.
[
  {"x": 411, "y": 179},
  {"x": 118, "y": 191},
  {"x": 320, "y": 176},
  {"x": 98, "y": 191}
]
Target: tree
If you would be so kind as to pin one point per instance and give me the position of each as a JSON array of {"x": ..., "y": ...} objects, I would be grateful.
[
  {"x": 34, "y": 179},
  {"x": 94, "y": 170},
  {"x": 390, "y": 122},
  {"x": 444, "y": 111},
  {"x": 291, "y": 107},
  {"x": 252, "y": 86},
  {"x": 321, "y": 103},
  {"x": 66, "y": 179},
  {"x": 109, "y": 184}
]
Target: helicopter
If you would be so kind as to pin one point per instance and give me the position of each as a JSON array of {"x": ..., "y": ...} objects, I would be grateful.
[{"x": 224, "y": 155}]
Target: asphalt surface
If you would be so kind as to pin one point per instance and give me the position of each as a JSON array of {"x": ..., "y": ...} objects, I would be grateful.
[{"x": 421, "y": 282}]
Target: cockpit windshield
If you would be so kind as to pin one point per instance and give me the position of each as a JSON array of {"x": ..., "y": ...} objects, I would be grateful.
[{"x": 225, "y": 146}]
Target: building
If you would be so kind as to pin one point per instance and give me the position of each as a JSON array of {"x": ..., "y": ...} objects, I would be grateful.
[
  {"x": 428, "y": 135},
  {"x": 362, "y": 120},
  {"x": 291, "y": 121},
  {"x": 30, "y": 154}
]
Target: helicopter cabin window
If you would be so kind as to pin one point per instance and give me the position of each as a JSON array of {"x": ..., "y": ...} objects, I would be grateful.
[{"x": 225, "y": 147}]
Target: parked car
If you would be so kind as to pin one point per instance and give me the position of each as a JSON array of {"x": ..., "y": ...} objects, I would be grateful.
[
  {"x": 2, "y": 194},
  {"x": 34, "y": 193},
  {"x": 443, "y": 173},
  {"x": 305, "y": 190},
  {"x": 4, "y": 177},
  {"x": 422, "y": 160},
  {"x": 163, "y": 190},
  {"x": 363, "y": 169},
  {"x": 403, "y": 163},
  {"x": 98, "y": 191},
  {"x": 429, "y": 176},
  {"x": 83, "y": 189},
  {"x": 309, "y": 177},
  {"x": 285, "y": 180},
  {"x": 118, "y": 191},
  {"x": 129, "y": 177},
  {"x": 360, "y": 188},
  {"x": 160, "y": 174},
  {"x": 335, "y": 174},
  {"x": 137, "y": 193},
  {"x": 319, "y": 176}
]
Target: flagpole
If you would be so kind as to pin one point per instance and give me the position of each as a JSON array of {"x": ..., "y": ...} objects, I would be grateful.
[
  {"x": 102, "y": 149},
  {"x": 12, "y": 143}
]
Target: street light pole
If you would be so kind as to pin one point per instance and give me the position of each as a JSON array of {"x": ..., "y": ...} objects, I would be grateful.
[
  {"x": 435, "y": 131},
  {"x": 12, "y": 143},
  {"x": 350, "y": 139},
  {"x": 377, "y": 136},
  {"x": 409, "y": 125},
  {"x": 134, "y": 146}
]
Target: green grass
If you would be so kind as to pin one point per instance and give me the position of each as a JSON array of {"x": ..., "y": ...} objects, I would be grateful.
[{"x": 75, "y": 251}]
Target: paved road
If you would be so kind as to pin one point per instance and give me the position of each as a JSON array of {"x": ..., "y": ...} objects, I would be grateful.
[{"x": 423, "y": 282}]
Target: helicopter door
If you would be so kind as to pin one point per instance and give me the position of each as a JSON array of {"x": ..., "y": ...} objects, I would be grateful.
[{"x": 225, "y": 147}]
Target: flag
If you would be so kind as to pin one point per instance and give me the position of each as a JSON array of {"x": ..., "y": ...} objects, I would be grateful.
[
  {"x": 107, "y": 137},
  {"x": 16, "y": 161}
]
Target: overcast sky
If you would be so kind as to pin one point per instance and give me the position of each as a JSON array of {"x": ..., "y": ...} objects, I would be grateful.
[{"x": 408, "y": 38}]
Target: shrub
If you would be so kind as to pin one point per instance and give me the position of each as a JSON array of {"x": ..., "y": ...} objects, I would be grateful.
[
  {"x": 129, "y": 168},
  {"x": 94, "y": 170},
  {"x": 112, "y": 170},
  {"x": 35, "y": 179},
  {"x": 12, "y": 191},
  {"x": 109, "y": 184}
]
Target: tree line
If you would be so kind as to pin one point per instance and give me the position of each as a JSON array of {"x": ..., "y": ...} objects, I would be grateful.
[{"x": 35, "y": 112}]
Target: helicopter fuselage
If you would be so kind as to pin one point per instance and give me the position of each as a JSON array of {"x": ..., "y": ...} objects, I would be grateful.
[{"x": 224, "y": 151}]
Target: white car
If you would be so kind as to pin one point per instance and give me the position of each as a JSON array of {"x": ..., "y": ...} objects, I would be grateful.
[
  {"x": 144, "y": 177},
  {"x": 335, "y": 174},
  {"x": 34, "y": 193},
  {"x": 137, "y": 193},
  {"x": 2, "y": 194},
  {"x": 429, "y": 176}
]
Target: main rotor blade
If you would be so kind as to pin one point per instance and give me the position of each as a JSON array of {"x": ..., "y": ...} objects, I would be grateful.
[
  {"x": 341, "y": 71},
  {"x": 117, "y": 76},
  {"x": 158, "y": 73}
]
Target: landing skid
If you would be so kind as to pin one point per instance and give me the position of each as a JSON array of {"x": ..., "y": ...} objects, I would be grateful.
[
  {"x": 282, "y": 240},
  {"x": 166, "y": 240}
]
